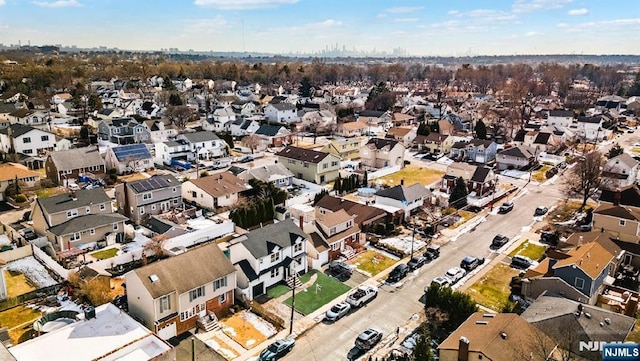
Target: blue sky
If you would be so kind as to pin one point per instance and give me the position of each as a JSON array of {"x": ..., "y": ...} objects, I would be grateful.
[{"x": 427, "y": 27}]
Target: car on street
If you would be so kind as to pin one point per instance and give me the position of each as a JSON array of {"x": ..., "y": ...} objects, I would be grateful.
[
  {"x": 368, "y": 339},
  {"x": 337, "y": 311},
  {"x": 521, "y": 262},
  {"x": 398, "y": 273},
  {"x": 506, "y": 207},
  {"x": 441, "y": 281},
  {"x": 361, "y": 295},
  {"x": 499, "y": 241},
  {"x": 541, "y": 211},
  {"x": 416, "y": 262},
  {"x": 470, "y": 263},
  {"x": 246, "y": 159},
  {"x": 432, "y": 252},
  {"x": 455, "y": 274},
  {"x": 277, "y": 349}
]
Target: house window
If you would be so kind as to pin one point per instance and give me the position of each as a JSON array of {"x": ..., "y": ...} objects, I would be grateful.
[
  {"x": 141, "y": 210},
  {"x": 198, "y": 292},
  {"x": 27, "y": 151},
  {"x": 147, "y": 196},
  {"x": 139, "y": 130},
  {"x": 92, "y": 231},
  {"x": 174, "y": 189},
  {"x": 219, "y": 283},
  {"x": 623, "y": 222},
  {"x": 72, "y": 213},
  {"x": 292, "y": 161},
  {"x": 297, "y": 248},
  {"x": 222, "y": 298},
  {"x": 165, "y": 303},
  {"x": 334, "y": 163},
  {"x": 306, "y": 165},
  {"x": 187, "y": 314},
  {"x": 26, "y": 140},
  {"x": 335, "y": 246},
  {"x": 332, "y": 231},
  {"x": 579, "y": 283},
  {"x": 325, "y": 166},
  {"x": 275, "y": 257},
  {"x": 175, "y": 201},
  {"x": 44, "y": 138},
  {"x": 275, "y": 272},
  {"x": 87, "y": 209},
  {"x": 102, "y": 207},
  {"x": 74, "y": 237},
  {"x": 115, "y": 226}
]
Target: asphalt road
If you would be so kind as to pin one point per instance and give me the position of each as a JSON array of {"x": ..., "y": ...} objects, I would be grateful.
[{"x": 395, "y": 305}]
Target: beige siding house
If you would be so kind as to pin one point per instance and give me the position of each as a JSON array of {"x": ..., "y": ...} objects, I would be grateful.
[
  {"x": 217, "y": 190},
  {"x": 380, "y": 153},
  {"x": 344, "y": 148},
  {"x": 310, "y": 165},
  {"x": 623, "y": 221}
]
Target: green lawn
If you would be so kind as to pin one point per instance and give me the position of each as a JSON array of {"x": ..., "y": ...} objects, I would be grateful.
[
  {"x": 48, "y": 192},
  {"x": 365, "y": 261},
  {"x": 105, "y": 253},
  {"x": 17, "y": 316},
  {"x": 281, "y": 289},
  {"x": 313, "y": 298},
  {"x": 17, "y": 284},
  {"x": 493, "y": 290},
  {"x": 528, "y": 249}
]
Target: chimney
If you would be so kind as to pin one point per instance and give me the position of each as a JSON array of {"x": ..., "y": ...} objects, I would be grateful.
[
  {"x": 616, "y": 197},
  {"x": 463, "y": 349},
  {"x": 301, "y": 222}
]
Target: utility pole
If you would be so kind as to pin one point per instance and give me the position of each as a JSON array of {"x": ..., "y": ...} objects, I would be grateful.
[{"x": 413, "y": 235}]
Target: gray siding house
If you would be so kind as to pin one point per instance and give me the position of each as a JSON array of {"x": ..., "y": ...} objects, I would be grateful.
[{"x": 140, "y": 199}]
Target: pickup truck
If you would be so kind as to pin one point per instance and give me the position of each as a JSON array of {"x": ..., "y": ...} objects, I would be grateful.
[{"x": 362, "y": 295}]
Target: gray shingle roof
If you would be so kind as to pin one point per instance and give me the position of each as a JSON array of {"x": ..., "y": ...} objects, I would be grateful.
[
  {"x": 76, "y": 158},
  {"x": 404, "y": 193},
  {"x": 268, "y": 130},
  {"x": 186, "y": 271},
  {"x": 18, "y": 129},
  {"x": 305, "y": 155},
  {"x": 561, "y": 113},
  {"x": 260, "y": 242},
  {"x": 480, "y": 175},
  {"x": 520, "y": 151},
  {"x": 83, "y": 223},
  {"x": 270, "y": 172},
  {"x": 64, "y": 202},
  {"x": 199, "y": 137},
  {"x": 380, "y": 143}
]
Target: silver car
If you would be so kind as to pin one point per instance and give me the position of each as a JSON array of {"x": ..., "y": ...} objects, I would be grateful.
[
  {"x": 338, "y": 311},
  {"x": 455, "y": 274}
]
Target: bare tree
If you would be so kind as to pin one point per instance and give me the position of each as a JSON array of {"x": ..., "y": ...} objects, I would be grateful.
[
  {"x": 538, "y": 346},
  {"x": 155, "y": 246},
  {"x": 251, "y": 141},
  {"x": 179, "y": 115},
  {"x": 586, "y": 176}
]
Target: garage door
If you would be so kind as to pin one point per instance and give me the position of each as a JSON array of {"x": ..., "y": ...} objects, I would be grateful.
[
  {"x": 168, "y": 331},
  {"x": 258, "y": 290}
]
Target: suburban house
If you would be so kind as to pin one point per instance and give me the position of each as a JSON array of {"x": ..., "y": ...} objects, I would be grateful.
[
  {"x": 276, "y": 173},
  {"x": 623, "y": 196},
  {"x": 405, "y": 198},
  {"x": 620, "y": 171},
  {"x": 518, "y": 157},
  {"x": 578, "y": 274},
  {"x": 170, "y": 296},
  {"x": 243, "y": 126},
  {"x": 310, "y": 165},
  {"x": 160, "y": 130},
  {"x": 344, "y": 148},
  {"x": 381, "y": 153},
  {"x": 123, "y": 131},
  {"x": 352, "y": 129},
  {"x": 401, "y": 119},
  {"x": 366, "y": 215},
  {"x": 560, "y": 117},
  {"x": 206, "y": 144},
  {"x": 273, "y": 135},
  {"x": 74, "y": 163},
  {"x": 480, "y": 180},
  {"x": 335, "y": 232},
  {"x": 281, "y": 113},
  {"x": 172, "y": 151},
  {"x": 80, "y": 218},
  {"x": 217, "y": 190},
  {"x": 12, "y": 172},
  {"x": 374, "y": 117},
  {"x": 143, "y": 198},
  {"x": 220, "y": 120},
  {"x": 621, "y": 220},
  {"x": 433, "y": 143},
  {"x": 497, "y": 337},
  {"x": 104, "y": 333},
  {"x": 27, "y": 140},
  {"x": 28, "y": 117},
  {"x": 404, "y": 135},
  {"x": 569, "y": 323},
  {"x": 590, "y": 128},
  {"x": 61, "y": 98},
  {"x": 128, "y": 158},
  {"x": 267, "y": 256},
  {"x": 476, "y": 150}
]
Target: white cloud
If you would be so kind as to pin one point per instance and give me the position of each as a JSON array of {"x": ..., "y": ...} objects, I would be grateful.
[
  {"x": 578, "y": 12},
  {"x": 532, "y": 33},
  {"x": 58, "y": 4},
  {"x": 3, "y": 2},
  {"x": 406, "y": 20},
  {"x": 404, "y": 9},
  {"x": 242, "y": 4},
  {"x": 453, "y": 12},
  {"x": 526, "y": 6},
  {"x": 329, "y": 23}
]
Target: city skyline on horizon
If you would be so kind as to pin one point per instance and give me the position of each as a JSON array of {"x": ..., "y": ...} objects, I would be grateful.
[{"x": 401, "y": 28}]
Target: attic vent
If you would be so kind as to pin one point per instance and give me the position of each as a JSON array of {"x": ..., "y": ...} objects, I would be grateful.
[
  {"x": 154, "y": 278},
  {"x": 587, "y": 315},
  {"x": 607, "y": 321},
  {"x": 577, "y": 314},
  {"x": 488, "y": 315},
  {"x": 482, "y": 323},
  {"x": 503, "y": 335}
]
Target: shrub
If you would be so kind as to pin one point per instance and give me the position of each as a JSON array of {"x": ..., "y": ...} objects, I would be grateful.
[
  {"x": 21, "y": 198},
  {"x": 204, "y": 174}
]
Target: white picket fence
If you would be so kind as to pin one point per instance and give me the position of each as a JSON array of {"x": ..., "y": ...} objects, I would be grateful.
[
  {"x": 383, "y": 172},
  {"x": 50, "y": 263}
]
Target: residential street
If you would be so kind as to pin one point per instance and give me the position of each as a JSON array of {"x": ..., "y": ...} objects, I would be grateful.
[{"x": 395, "y": 305}]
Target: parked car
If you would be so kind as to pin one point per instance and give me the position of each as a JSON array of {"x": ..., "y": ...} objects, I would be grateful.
[
  {"x": 337, "y": 311},
  {"x": 397, "y": 273},
  {"x": 541, "y": 211},
  {"x": 367, "y": 339},
  {"x": 506, "y": 207},
  {"x": 455, "y": 274},
  {"x": 340, "y": 270},
  {"x": 432, "y": 252},
  {"x": 441, "y": 281},
  {"x": 416, "y": 262},
  {"x": 521, "y": 262},
  {"x": 246, "y": 159},
  {"x": 470, "y": 263},
  {"x": 277, "y": 349},
  {"x": 551, "y": 238},
  {"x": 361, "y": 295},
  {"x": 499, "y": 241},
  {"x": 28, "y": 234}
]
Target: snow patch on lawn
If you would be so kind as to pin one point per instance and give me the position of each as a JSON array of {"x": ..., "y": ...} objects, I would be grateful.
[
  {"x": 33, "y": 270},
  {"x": 230, "y": 331},
  {"x": 228, "y": 354},
  {"x": 260, "y": 324}
]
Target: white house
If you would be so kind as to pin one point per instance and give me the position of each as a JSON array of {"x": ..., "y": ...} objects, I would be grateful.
[
  {"x": 620, "y": 171},
  {"x": 281, "y": 113},
  {"x": 267, "y": 256},
  {"x": 559, "y": 117},
  {"x": 402, "y": 197},
  {"x": 206, "y": 144},
  {"x": 160, "y": 131},
  {"x": 166, "y": 152},
  {"x": 276, "y": 173},
  {"x": 590, "y": 128},
  {"x": 26, "y": 140},
  {"x": 217, "y": 190},
  {"x": 244, "y": 126},
  {"x": 220, "y": 120}
]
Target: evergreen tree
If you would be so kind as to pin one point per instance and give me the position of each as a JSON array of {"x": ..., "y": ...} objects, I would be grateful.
[
  {"x": 365, "y": 179},
  {"x": 175, "y": 100},
  {"x": 305, "y": 87},
  {"x": 422, "y": 351},
  {"x": 252, "y": 216},
  {"x": 270, "y": 209},
  {"x": 260, "y": 211},
  {"x": 481, "y": 130},
  {"x": 615, "y": 151},
  {"x": 337, "y": 184},
  {"x": 458, "y": 197}
]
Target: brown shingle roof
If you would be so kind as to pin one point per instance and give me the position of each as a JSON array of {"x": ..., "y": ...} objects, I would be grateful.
[
  {"x": 220, "y": 184},
  {"x": 305, "y": 155},
  {"x": 398, "y": 131},
  {"x": 333, "y": 218},
  {"x": 591, "y": 258},
  {"x": 353, "y": 125},
  {"x": 9, "y": 171},
  {"x": 364, "y": 214},
  {"x": 618, "y": 212},
  {"x": 185, "y": 272}
]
